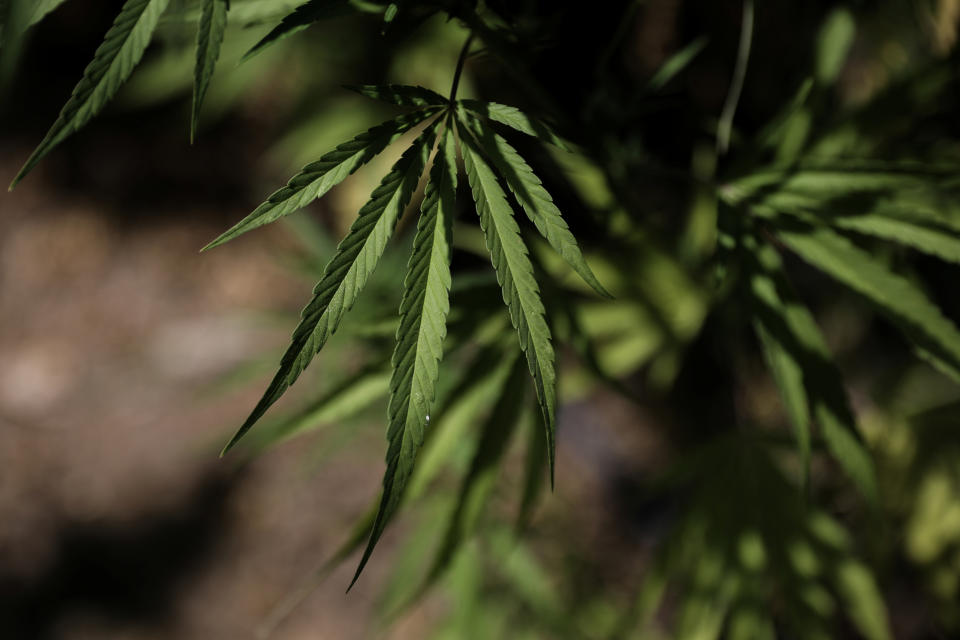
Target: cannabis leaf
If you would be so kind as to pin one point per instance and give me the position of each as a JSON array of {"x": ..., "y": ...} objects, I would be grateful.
[
  {"x": 423, "y": 316},
  {"x": 315, "y": 179},
  {"x": 893, "y": 295},
  {"x": 534, "y": 200},
  {"x": 515, "y": 119},
  {"x": 112, "y": 64},
  {"x": 515, "y": 275},
  {"x": 798, "y": 357},
  {"x": 299, "y": 19},
  {"x": 213, "y": 24},
  {"x": 41, "y": 8},
  {"x": 403, "y": 95},
  {"x": 346, "y": 274}
]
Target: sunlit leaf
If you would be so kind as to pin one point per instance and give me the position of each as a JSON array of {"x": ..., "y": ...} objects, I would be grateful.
[
  {"x": 317, "y": 178},
  {"x": 346, "y": 274},
  {"x": 423, "y": 317},
  {"x": 515, "y": 275},
  {"x": 534, "y": 200}
]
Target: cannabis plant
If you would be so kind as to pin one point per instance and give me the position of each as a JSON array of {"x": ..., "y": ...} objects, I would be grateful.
[{"x": 810, "y": 190}]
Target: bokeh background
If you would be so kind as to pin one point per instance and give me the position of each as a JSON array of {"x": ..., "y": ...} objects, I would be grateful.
[{"x": 128, "y": 357}]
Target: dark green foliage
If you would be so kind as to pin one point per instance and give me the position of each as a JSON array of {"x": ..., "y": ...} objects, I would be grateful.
[{"x": 801, "y": 190}]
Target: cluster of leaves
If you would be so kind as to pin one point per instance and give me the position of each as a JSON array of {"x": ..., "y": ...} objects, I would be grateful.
[{"x": 800, "y": 187}]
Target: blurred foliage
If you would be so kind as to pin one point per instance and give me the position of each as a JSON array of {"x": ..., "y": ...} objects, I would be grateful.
[{"x": 757, "y": 186}]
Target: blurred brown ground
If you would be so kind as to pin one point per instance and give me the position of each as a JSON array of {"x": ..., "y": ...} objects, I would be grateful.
[{"x": 119, "y": 519}]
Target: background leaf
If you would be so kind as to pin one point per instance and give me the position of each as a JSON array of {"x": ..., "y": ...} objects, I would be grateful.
[
  {"x": 210, "y": 30},
  {"x": 301, "y": 18},
  {"x": 112, "y": 64}
]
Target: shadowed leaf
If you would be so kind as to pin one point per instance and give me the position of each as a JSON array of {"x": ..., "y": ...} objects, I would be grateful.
[
  {"x": 112, "y": 64},
  {"x": 210, "y": 30}
]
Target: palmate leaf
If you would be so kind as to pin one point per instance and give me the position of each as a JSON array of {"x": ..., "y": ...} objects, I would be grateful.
[
  {"x": 515, "y": 275},
  {"x": 315, "y": 179},
  {"x": 112, "y": 64},
  {"x": 802, "y": 367},
  {"x": 210, "y": 30},
  {"x": 400, "y": 94},
  {"x": 515, "y": 119},
  {"x": 423, "y": 317},
  {"x": 346, "y": 274},
  {"x": 893, "y": 295},
  {"x": 534, "y": 200},
  {"x": 298, "y": 20}
]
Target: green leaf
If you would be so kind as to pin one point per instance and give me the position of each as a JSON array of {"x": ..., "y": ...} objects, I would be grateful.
[
  {"x": 834, "y": 40},
  {"x": 900, "y": 300},
  {"x": 213, "y": 24},
  {"x": 403, "y": 95},
  {"x": 515, "y": 119},
  {"x": 676, "y": 63},
  {"x": 344, "y": 401},
  {"x": 41, "y": 8},
  {"x": 865, "y": 605},
  {"x": 936, "y": 242},
  {"x": 112, "y": 64},
  {"x": 533, "y": 472},
  {"x": 477, "y": 485},
  {"x": 299, "y": 19},
  {"x": 346, "y": 274},
  {"x": 788, "y": 375},
  {"x": 534, "y": 200},
  {"x": 423, "y": 317},
  {"x": 515, "y": 275},
  {"x": 802, "y": 367},
  {"x": 317, "y": 178}
]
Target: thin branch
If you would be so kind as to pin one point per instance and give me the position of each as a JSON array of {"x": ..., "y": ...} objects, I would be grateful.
[{"x": 725, "y": 126}]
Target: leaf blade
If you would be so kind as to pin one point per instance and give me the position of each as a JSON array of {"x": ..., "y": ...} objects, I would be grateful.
[
  {"x": 893, "y": 295},
  {"x": 210, "y": 30},
  {"x": 346, "y": 274},
  {"x": 113, "y": 62},
  {"x": 535, "y": 201},
  {"x": 400, "y": 94},
  {"x": 520, "y": 290},
  {"x": 515, "y": 119},
  {"x": 315, "y": 179},
  {"x": 42, "y": 8},
  {"x": 298, "y": 20},
  {"x": 798, "y": 356},
  {"x": 423, "y": 316}
]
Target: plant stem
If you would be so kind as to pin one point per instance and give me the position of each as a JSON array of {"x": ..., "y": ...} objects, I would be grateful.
[
  {"x": 460, "y": 61},
  {"x": 725, "y": 125}
]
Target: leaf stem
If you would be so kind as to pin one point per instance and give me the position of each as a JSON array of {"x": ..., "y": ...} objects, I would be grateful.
[
  {"x": 460, "y": 61},
  {"x": 725, "y": 127}
]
